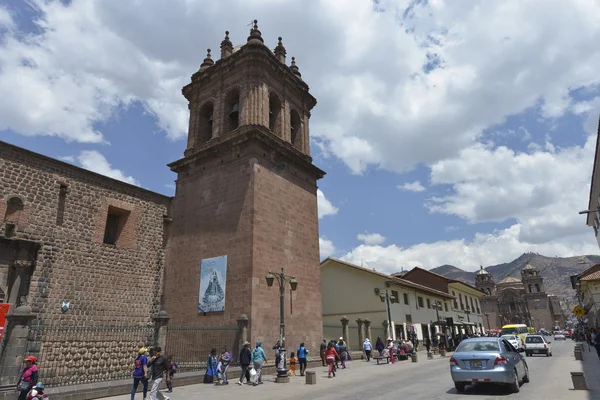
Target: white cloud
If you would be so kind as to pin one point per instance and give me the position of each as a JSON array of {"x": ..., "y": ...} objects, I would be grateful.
[
  {"x": 542, "y": 189},
  {"x": 412, "y": 187},
  {"x": 6, "y": 20},
  {"x": 371, "y": 238},
  {"x": 325, "y": 206},
  {"x": 484, "y": 249},
  {"x": 378, "y": 105},
  {"x": 96, "y": 162},
  {"x": 69, "y": 159},
  {"x": 326, "y": 248}
]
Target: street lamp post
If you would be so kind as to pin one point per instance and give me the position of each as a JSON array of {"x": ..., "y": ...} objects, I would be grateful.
[
  {"x": 385, "y": 295},
  {"x": 468, "y": 311},
  {"x": 282, "y": 279}
]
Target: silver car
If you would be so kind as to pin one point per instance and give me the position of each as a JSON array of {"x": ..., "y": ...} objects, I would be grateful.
[{"x": 488, "y": 359}]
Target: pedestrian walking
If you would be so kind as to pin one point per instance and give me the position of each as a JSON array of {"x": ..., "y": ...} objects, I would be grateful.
[
  {"x": 172, "y": 372},
  {"x": 379, "y": 346},
  {"x": 343, "y": 352},
  {"x": 302, "y": 356},
  {"x": 28, "y": 377},
  {"x": 390, "y": 347},
  {"x": 140, "y": 373},
  {"x": 367, "y": 347},
  {"x": 224, "y": 360},
  {"x": 293, "y": 362},
  {"x": 427, "y": 344},
  {"x": 211, "y": 367},
  {"x": 337, "y": 348},
  {"x": 330, "y": 356},
  {"x": 277, "y": 353},
  {"x": 160, "y": 366},
  {"x": 322, "y": 351},
  {"x": 245, "y": 361},
  {"x": 258, "y": 358}
]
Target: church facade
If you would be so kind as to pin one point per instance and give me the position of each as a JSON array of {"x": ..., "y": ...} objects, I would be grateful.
[
  {"x": 80, "y": 249},
  {"x": 518, "y": 301}
]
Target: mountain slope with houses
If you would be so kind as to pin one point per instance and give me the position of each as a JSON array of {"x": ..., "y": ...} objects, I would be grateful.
[{"x": 554, "y": 270}]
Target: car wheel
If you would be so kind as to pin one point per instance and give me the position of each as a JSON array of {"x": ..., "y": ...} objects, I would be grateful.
[
  {"x": 460, "y": 386},
  {"x": 526, "y": 377},
  {"x": 514, "y": 387}
]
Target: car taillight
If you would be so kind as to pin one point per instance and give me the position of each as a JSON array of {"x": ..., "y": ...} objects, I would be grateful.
[
  {"x": 453, "y": 361},
  {"x": 501, "y": 361}
]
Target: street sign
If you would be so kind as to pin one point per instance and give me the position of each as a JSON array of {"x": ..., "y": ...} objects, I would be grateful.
[{"x": 579, "y": 311}]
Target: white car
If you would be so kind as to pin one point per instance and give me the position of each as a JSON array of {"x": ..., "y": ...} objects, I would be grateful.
[
  {"x": 537, "y": 344},
  {"x": 515, "y": 341},
  {"x": 559, "y": 336}
]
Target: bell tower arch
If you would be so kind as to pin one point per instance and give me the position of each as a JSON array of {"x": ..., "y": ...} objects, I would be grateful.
[{"x": 246, "y": 188}]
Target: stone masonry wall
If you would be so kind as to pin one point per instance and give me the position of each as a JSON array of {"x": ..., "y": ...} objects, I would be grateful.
[
  {"x": 106, "y": 284},
  {"x": 286, "y": 235},
  {"x": 211, "y": 216}
]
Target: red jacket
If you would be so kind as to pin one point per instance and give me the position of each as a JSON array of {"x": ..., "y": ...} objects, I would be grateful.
[{"x": 331, "y": 353}]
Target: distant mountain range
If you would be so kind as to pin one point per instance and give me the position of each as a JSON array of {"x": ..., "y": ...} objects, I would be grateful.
[{"x": 554, "y": 270}]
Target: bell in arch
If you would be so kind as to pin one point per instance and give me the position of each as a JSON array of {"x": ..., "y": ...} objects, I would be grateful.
[{"x": 235, "y": 111}]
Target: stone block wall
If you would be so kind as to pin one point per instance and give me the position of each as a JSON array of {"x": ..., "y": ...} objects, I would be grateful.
[
  {"x": 286, "y": 235},
  {"x": 211, "y": 216},
  {"x": 65, "y": 210}
]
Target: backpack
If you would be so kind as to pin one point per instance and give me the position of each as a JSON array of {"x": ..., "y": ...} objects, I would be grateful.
[{"x": 173, "y": 367}]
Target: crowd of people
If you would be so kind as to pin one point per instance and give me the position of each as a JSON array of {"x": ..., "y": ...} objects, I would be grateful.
[{"x": 333, "y": 353}]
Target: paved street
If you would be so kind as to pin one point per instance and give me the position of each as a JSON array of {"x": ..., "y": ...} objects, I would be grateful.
[{"x": 430, "y": 379}]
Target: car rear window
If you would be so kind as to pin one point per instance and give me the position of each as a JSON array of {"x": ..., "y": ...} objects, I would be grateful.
[
  {"x": 478, "y": 345},
  {"x": 534, "y": 339}
]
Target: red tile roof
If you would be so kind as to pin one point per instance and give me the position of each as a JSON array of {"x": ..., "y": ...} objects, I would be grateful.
[
  {"x": 590, "y": 274},
  {"x": 399, "y": 281}
]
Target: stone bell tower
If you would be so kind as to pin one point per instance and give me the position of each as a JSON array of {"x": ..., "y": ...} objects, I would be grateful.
[{"x": 247, "y": 189}]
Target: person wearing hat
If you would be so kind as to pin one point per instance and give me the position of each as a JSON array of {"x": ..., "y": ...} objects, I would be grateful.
[
  {"x": 37, "y": 392},
  {"x": 28, "y": 378},
  {"x": 245, "y": 360},
  {"x": 390, "y": 347},
  {"x": 140, "y": 373},
  {"x": 258, "y": 358},
  {"x": 367, "y": 347}
]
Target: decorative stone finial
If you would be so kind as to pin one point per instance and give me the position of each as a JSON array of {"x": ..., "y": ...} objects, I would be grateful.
[
  {"x": 255, "y": 35},
  {"x": 226, "y": 46},
  {"x": 208, "y": 61},
  {"x": 280, "y": 51},
  {"x": 294, "y": 68}
]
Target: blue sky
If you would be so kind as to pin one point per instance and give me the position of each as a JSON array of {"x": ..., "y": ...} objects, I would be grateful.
[{"x": 450, "y": 133}]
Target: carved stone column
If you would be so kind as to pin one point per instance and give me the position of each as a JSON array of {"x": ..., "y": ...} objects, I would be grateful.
[
  {"x": 361, "y": 336},
  {"x": 243, "y": 333},
  {"x": 345, "y": 331},
  {"x": 14, "y": 347},
  {"x": 368, "y": 332},
  {"x": 161, "y": 321},
  {"x": 386, "y": 326}
]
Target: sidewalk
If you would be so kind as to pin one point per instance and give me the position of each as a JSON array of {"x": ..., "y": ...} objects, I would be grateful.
[
  {"x": 354, "y": 374},
  {"x": 590, "y": 366}
]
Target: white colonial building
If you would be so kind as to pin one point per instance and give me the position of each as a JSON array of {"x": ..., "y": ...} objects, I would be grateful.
[{"x": 355, "y": 305}]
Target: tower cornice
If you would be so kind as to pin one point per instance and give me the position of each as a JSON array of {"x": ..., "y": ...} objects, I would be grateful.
[
  {"x": 240, "y": 139},
  {"x": 249, "y": 53}
]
